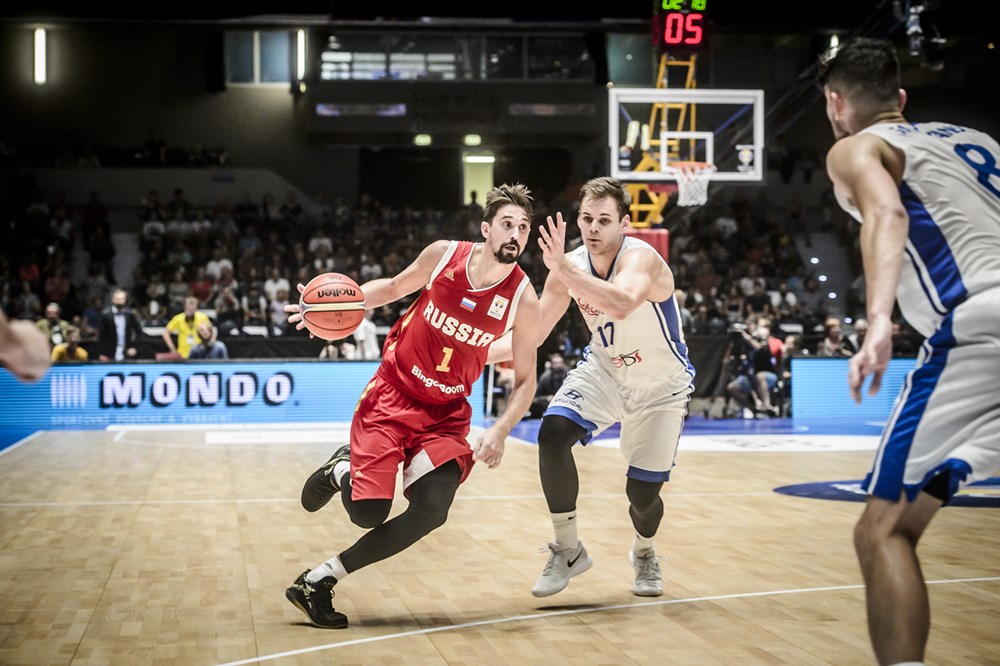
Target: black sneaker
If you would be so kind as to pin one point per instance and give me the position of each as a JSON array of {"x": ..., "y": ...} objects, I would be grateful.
[
  {"x": 321, "y": 486},
  {"x": 316, "y": 601}
]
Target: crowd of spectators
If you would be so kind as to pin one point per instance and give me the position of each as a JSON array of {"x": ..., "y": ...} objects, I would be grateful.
[{"x": 241, "y": 262}]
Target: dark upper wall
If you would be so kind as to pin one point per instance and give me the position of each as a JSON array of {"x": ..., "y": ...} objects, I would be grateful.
[{"x": 113, "y": 82}]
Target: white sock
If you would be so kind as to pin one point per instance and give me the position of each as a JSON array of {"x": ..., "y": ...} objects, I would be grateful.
[
  {"x": 565, "y": 529},
  {"x": 331, "y": 567},
  {"x": 339, "y": 470},
  {"x": 640, "y": 543}
]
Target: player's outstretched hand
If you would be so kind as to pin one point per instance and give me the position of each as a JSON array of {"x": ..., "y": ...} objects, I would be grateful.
[{"x": 552, "y": 241}]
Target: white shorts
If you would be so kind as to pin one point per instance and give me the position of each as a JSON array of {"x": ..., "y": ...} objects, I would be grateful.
[
  {"x": 946, "y": 420},
  {"x": 651, "y": 418}
]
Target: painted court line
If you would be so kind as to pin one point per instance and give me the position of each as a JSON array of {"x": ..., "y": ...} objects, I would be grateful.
[
  {"x": 295, "y": 500},
  {"x": 546, "y": 615}
]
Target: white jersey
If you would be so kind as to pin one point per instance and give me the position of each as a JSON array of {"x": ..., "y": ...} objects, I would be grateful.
[
  {"x": 646, "y": 348},
  {"x": 951, "y": 191}
]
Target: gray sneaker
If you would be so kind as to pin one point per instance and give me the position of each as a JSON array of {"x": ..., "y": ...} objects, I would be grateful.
[
  {"x": 563, "y": 564},
  {"x": 648, "y": 580}
]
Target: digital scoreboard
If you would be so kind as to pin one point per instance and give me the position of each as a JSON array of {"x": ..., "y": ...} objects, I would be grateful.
[{"x": 680, "y": 25}]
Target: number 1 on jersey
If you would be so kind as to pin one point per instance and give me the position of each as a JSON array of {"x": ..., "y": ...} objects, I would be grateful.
[{"x": 443, "y": 365}]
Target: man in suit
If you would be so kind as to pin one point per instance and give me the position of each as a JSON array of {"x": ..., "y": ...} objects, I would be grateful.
[{"x": 119, "y": 330}]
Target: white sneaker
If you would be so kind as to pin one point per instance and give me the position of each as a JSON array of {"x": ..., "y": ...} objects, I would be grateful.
[
  {"x": 648, "y": 580},
  {"x": 563, "y": 564}
]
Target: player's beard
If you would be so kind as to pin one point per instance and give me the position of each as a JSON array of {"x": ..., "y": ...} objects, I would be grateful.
[{"x": 504, "y": 256}]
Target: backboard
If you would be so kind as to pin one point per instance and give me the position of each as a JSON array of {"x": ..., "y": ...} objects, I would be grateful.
[{"x": 650, "y": 128}]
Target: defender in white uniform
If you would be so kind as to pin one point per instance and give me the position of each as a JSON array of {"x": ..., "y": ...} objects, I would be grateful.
[
  {"x": 635, "y": 372},
  {"x": 928, "y": 198}
]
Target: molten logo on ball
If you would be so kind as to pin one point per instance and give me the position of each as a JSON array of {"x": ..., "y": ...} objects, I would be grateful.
[
  {"x": 332, "y": 306},
  {"x": 334, "y": 293}
]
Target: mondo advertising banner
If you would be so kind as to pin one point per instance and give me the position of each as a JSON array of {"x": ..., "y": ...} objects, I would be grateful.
[{"x": 95, "y": 396}]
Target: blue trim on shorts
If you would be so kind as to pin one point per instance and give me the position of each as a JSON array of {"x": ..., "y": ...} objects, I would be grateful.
[
  {"x": 575, "y": 417},
  {"x": 646, "y": 475},
  {"x": 896, "y": 449}
]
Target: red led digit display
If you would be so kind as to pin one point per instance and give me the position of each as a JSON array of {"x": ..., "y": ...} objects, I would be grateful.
[
  {"x": 683, "y": 29},
  {"x": 681, "y": 25}
]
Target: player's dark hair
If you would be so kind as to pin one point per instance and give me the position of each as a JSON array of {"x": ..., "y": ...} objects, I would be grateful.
[
  {"x": 500, "y": 196},
  {"x": 865, "y": 70},
  {"x": 604, "y": 187}
]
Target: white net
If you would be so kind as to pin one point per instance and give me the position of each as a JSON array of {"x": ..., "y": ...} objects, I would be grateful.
[{"x": 692, "y": 182}]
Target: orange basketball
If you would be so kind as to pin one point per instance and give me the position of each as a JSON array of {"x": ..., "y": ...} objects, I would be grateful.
[{"x": 332, "y": 306}]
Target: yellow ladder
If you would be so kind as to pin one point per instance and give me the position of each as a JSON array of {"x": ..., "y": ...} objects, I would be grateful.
[{"x": 648, "y": 201}]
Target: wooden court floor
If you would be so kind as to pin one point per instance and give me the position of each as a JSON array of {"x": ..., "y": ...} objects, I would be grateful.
[{"x": 175, "y": 547}]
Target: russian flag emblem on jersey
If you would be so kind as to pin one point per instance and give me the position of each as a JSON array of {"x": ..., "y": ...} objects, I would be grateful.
[{"x": 468, "y": 304}]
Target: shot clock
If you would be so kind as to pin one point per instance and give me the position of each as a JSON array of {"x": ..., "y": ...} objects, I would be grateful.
[{"x": 680, "y": 25}]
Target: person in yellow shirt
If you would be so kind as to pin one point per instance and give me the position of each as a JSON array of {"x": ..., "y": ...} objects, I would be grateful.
[
  {"x": 71, "y": 349},
  {"x": 185, "y": 326}
]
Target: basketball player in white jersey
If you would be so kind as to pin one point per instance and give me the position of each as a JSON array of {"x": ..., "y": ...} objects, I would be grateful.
[
  {"x": 928, "y": 198},
  {"x": 635, "y": 372}
]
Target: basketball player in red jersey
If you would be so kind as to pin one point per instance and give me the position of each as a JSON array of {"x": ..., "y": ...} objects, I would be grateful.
[{"x": 414, "y": 412}]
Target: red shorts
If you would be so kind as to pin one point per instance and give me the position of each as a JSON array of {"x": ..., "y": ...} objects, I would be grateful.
[{"x": 390, "y": 427}]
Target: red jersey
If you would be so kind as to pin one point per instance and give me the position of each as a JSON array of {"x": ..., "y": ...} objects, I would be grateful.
[{"x": 437, "y": 350}]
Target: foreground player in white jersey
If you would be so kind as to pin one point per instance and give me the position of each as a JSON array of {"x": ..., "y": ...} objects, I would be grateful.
[
  {"x": 635, "y": 372},
  {"x": 928, "y": 197}
]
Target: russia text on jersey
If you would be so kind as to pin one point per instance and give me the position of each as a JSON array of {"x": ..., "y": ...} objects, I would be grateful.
[{"x": 454, "y": 328}]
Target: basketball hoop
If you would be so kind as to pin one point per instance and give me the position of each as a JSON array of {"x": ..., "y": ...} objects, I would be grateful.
[{"x": 692, "y": 181}]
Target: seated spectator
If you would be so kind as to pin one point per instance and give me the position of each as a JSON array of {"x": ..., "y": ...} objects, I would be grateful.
[
  {"x": 254, "y": 306},
  {"x": 210, "y": 346},
  {"x": 366, "y": 339},
  {"x": 219, "y": 260},
  {"x": 26, "y": 304},
  {"x": 55, "y": 328},
  {"x": 857, "y": 336},
  {"x": 276, "y": 282},
  {"x": 228, "y": 311},
  {"x": 834, "y": 343},
  {"x": 758, "y": 304},
  {"x": 783, "y": 300},
  {"x": 71, "y": 349},
  {"x": 324, "y": 261},
  {"x": 734, "y": 304},
  {"x": 548, "y": 383},
  {"x": 277, "y": 315},
  {"x": 320, "y": 239},
  {"x": 814, "y": 304},
  {"x": 202, "y": 287}
]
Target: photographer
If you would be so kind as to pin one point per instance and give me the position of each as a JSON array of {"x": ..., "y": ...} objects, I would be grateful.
[{"x": 754, "y": 360}]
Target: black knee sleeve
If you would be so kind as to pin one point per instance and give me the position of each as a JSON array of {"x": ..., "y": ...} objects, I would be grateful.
[
  {"x": 559, "y": 432},
  {"x": 645, "y": 505},
  {"x": 367, "y": 513},
  {"x": 556, "y": 466},
  {"x": 432, "y": 495}
]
